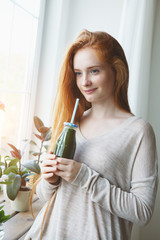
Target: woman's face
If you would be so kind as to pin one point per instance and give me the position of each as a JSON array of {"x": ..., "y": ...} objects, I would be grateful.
[{"x": 94, "y": 77}]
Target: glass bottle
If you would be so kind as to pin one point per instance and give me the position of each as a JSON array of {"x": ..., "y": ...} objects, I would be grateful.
[{"x": 66, "y": 142}]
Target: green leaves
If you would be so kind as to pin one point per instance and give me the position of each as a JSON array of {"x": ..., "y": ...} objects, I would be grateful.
[
  {"x": 3, "y": 217},
  {"x": 1, "y": 164},
  {"x": 13, "y": 188},
  {"x": 5, "y": 183},
  {"x": 10, "y": 169},
  {"x": 25, "y": 171},
  {"x": 17, "y": 176},
  {"x": 32, "y": 166},
  {"x": 10, "y": 165},
  {"x": 13, "y": 162},
  {"x": 16, "y": 170}
]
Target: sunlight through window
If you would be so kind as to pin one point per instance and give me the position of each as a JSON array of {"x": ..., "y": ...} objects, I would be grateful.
[{"x": 19, "y": 24}]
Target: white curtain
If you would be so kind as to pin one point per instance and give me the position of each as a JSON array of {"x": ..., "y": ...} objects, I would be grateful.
[{"x": 135, "y": 35}]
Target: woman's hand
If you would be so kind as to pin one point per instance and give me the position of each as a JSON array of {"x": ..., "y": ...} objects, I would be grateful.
[
  {"x": 53, "y": 168},
  {"x": 49, "y": 166},
  {"x": 67, "y": 169}
]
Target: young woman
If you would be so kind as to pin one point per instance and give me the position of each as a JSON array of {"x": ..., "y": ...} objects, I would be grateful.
[{"x": 112, "y": 181}]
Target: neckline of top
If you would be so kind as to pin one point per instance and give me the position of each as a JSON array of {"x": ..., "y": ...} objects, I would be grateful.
[{"x": 125, "y": 122}]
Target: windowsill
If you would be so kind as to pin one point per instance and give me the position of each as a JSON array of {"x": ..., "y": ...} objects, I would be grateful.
[{"x": 20, "y": 222}]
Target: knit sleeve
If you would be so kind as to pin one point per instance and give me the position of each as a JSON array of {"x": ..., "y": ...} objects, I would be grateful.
[
  {"x": 45, "y": 190},
  {"x": 136, "y": 205}
]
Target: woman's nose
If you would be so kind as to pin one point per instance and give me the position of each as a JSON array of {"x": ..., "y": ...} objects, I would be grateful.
[{"x": 86, "y": 81}]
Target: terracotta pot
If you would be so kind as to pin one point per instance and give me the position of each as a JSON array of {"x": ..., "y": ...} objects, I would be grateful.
[{"x": 21, "y": 203}]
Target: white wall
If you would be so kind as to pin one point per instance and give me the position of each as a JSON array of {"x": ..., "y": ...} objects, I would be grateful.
[
  {"x": 63, "y": 21},
  {"x": 94, "y": 15}
]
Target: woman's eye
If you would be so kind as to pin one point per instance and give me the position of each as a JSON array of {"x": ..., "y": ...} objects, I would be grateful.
[
  {"x": 94, "y": 71},
  {"x": 77, "y": 73}
]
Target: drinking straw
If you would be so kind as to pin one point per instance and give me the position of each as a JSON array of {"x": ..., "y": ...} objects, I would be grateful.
[{"x": 75, "y": 109}]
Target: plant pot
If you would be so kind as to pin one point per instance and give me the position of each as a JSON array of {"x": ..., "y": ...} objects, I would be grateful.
[
  {"x": 21, "y": 203},
  {"x": 5, "y": 193}
]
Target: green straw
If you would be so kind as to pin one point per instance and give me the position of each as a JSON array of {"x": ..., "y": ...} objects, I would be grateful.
[{"x": 75, "y": 109}]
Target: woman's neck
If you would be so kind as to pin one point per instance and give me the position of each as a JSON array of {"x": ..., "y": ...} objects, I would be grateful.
[{"x": 103, "y": 110}]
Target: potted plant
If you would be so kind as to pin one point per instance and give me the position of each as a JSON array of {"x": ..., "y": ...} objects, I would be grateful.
[
  {"x": 3, "y": 218},
  {"x": 18, "y": 173},
  {"x": 43, "y": 135},
  {"x": 4, "y": 178}
]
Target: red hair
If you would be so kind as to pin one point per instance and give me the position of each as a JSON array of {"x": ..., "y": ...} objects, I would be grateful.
[{"x": 111, "y": 51}]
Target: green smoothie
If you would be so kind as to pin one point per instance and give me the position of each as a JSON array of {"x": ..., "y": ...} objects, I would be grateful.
[{"x": 66, "y": 142}]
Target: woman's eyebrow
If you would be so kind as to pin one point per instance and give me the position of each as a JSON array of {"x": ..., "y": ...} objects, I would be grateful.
[
  {"x": 94, "y": 66},
  {"x": 76, "y": 69}
]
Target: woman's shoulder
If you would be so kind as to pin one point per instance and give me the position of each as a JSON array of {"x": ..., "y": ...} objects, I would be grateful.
[{"x": 142, "y": 126}]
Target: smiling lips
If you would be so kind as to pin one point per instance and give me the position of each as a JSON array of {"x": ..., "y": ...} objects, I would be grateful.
[{"x": 89, "y": 91}]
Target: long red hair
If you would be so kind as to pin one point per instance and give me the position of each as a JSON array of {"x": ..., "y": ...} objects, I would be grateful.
[{"x": 111, "y": 51}]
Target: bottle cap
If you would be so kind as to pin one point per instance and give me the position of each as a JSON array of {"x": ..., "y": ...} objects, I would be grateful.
[{"x": 70, "y": 124}]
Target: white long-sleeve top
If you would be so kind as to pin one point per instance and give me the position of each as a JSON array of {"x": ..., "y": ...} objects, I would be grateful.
[{"x": 115, "y": 187}]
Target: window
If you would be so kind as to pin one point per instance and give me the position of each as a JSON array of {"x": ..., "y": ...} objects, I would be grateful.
[{"x": 21, "y": 30}]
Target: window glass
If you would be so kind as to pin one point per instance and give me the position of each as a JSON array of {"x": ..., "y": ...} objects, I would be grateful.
[{"x": 19, "y": 22}]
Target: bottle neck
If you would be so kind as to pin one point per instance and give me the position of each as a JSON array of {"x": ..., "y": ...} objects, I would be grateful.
[{"x": 71, "y": 125}]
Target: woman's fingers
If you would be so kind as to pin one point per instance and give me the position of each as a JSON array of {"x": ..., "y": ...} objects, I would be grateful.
[
  {"x": 67, "y": 169},
  {"x": 47, "y": 162},
  {"x": 50, "y": 156},
  {"x": 65, "y": 165},
  {"x": 48, "y": 175},
  {"x": 49, "y": 169},
  {"x": 64, "y": 161},
  {"x": 62, "y": 167}
]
